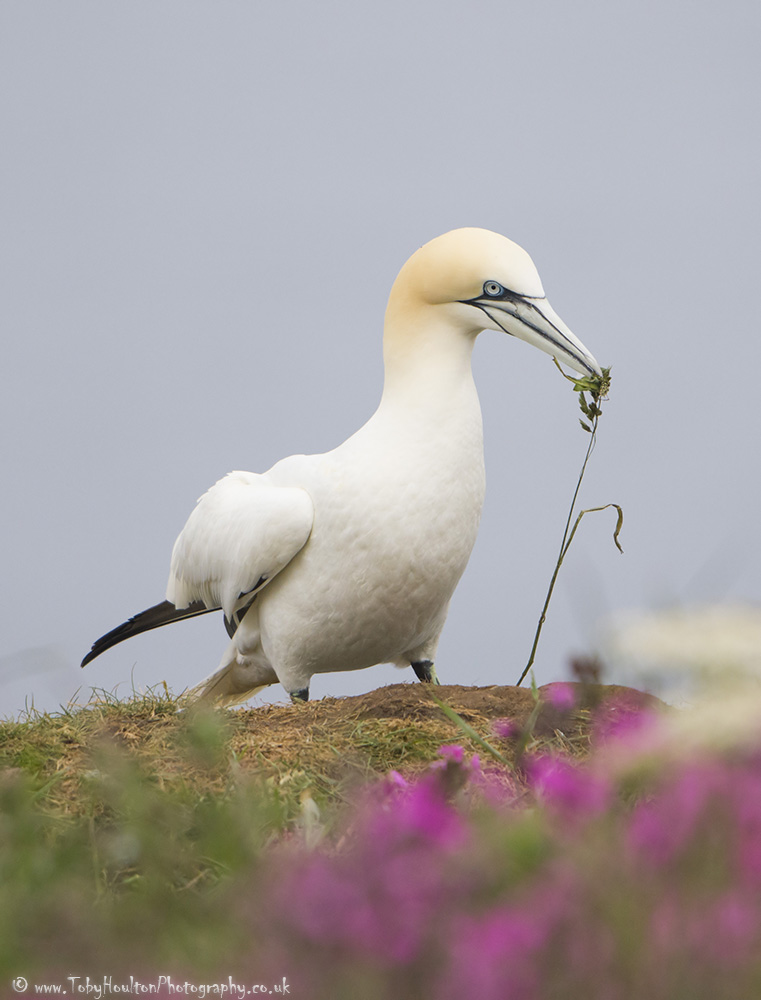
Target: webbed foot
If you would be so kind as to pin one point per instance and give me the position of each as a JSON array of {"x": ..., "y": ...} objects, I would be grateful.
[{"x": 426, "y": 672}]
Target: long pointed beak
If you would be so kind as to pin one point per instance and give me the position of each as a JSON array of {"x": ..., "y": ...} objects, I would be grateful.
[{"x": 535, "y": 321}]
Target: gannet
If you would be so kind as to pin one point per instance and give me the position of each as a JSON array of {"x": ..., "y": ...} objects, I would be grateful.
[{"x": 347, "y": 559}]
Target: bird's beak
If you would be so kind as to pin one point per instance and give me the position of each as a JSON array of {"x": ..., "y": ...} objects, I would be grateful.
[{"x": 535, "y": 321}]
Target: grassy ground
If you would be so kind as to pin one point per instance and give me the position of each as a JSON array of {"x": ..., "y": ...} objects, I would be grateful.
[
  {"x": 323, "y": 747},
  {"x": 131, "y": 821}
]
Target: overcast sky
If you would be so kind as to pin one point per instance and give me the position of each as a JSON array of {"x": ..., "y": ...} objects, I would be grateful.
[{"x": 204, "y": 206}]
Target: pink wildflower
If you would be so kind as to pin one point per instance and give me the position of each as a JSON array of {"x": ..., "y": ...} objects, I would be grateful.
[
  {"x": 661, "y": 828},
  {"x": 452, "y": 752},
  {"x": 397, "y": 780},
  {"x": 568, "y": 788},
  {"x": 506, "y": 729},
  {"x": 623, "y": 716},
  {"x": 560, "y": 695},
  {"x": 494, "y": 955}
]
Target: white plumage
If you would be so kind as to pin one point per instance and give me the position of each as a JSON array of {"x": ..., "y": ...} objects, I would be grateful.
[
  {"x": 243, "y": 531},
  {"x": 350, "y": 558}
]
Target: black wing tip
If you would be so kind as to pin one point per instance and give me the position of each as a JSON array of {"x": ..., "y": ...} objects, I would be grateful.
[
  {"x": 90, "y": 656},
  {"x": 160, "y": 614},
  {"x": 133, "y": 626}
]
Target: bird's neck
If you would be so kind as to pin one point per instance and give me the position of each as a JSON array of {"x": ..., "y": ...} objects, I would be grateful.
[
  {"x": 428, "y": 423},
  {"x": 427, "y": 361}
]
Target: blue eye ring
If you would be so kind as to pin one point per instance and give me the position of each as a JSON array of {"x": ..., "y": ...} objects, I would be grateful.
[{"x": 493, "y": 289}]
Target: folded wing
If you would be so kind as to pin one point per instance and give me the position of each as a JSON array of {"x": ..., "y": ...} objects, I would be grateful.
[{"x": 242, "y": 533}]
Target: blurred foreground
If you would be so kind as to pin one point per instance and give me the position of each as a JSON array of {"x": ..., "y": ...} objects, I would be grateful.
[{"x": 596, "y": 844}]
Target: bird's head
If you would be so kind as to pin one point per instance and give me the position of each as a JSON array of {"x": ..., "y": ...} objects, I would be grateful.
[{"x": 483, "y": 281}]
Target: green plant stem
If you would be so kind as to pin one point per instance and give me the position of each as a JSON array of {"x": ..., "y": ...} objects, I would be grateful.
[
  {"x": 568, "y": 534},
  {"x": 468, "y": 730},
  {"x": 561, "y": 555}
]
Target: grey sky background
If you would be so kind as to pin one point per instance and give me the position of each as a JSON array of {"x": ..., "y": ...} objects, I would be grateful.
[{"x": 204, "y": 206}]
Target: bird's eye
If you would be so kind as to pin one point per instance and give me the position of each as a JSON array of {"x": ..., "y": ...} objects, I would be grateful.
[{"x": 493, "y": 289}]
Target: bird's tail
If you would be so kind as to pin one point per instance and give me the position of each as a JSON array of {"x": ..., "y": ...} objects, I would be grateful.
[
  {"x": 220, "y": 689},
  {"x": 160, "y": 614},
  {"x": 234, "y": 682}
]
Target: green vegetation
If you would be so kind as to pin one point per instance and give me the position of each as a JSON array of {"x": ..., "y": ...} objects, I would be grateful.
[
  {"x": 132, "y": 821},
  {"x": 358, "y": 847}
]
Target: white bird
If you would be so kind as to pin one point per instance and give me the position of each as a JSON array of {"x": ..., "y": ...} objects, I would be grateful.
[{"x": 348, "y": 559}]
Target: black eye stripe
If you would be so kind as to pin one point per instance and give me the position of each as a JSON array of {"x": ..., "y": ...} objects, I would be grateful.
[
  {"x": 503, "y": 295},
  {"x": 494, "y": 290}
]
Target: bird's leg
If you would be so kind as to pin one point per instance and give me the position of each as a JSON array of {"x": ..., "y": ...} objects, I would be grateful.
[
  {"x": 301, "y": 695},
  {"x": 426, "y": 672}
]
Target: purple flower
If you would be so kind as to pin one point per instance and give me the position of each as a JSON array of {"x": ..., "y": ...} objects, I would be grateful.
[
  {"x": 567, "y": 788},
  {"x": 745, "y": 793},
  {"x": 625, "y": 715},
  {"x": 662, "y": 827},
  {"x": 723, "y": 929},
  {"x": 397, "y": 780},
  {"x": 494, "y": 956},
  {"x": 375, "y": 900},
  {"x": 506, "y": 729},
  {"x": 424, "y": 812},
  {"x": 560, "y": 695},
  {"x": 418, "y": 810}
]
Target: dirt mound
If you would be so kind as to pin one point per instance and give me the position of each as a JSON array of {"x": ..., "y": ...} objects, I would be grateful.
[
  {"x": 321, "y": 749},
  {"x": 401, "y": 726}
]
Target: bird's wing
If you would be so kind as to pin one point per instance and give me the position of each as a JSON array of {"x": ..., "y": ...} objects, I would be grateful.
[{"x": 242, "y": 532}]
